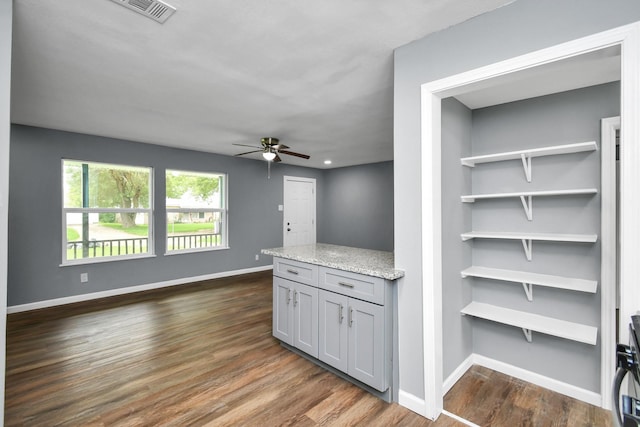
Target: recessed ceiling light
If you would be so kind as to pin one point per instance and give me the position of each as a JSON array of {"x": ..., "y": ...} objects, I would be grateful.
[{"x": 327, "y": 162}]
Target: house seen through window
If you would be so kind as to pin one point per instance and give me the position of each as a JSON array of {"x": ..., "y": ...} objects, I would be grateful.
[
  {"x": 107, "y": 211},
  {"x": 196, "y": 211}
]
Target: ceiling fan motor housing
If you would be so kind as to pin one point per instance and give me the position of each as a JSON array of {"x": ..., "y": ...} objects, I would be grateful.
[{"x": 269, "y": 141}]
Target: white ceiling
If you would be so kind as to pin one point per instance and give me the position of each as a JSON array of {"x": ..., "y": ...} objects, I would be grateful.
[{"x": 317, "y": 75}]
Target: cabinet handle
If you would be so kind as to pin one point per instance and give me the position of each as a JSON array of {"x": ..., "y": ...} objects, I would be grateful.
[
  {"x": 340, "y": 314},
  {"x": 345, "y": 284},
  {"x": 292, "y": 271},
  {"x": 350, "y": 316},
  {"x": 295, "y": 298},
  {"x": 288, "y": 296}
]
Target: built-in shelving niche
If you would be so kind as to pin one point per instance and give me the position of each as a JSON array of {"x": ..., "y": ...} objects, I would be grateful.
[{"x": 530, "y": 322}]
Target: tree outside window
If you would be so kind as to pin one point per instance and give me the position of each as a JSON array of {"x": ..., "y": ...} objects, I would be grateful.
[{"x": 107, "y": 211}]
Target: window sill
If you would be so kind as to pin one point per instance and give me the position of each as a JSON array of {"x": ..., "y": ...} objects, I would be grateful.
[
  {"x": 191, "y": 251},
  {"x": 105, "y": 259}
]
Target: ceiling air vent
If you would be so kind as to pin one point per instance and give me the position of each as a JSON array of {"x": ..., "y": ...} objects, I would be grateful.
[{"x": 155, "y": 9}]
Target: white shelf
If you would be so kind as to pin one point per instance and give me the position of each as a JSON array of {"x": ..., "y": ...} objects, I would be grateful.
[
  {"x": 529, "y": 279},
  {"x": 528, "y": 154},
  {"x": 533, "y": 322},
  {"x": 550, "y": 237},
  {"x": 528, "y": 238},
  {"x": 473, "y": 197},
  {"x": 526, "y": 197},
  {"x": 533, "y": 152}
]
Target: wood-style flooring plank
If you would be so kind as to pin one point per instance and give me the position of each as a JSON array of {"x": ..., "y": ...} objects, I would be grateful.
[
  {"x": 203, "y": 355},
  {"x": 490, "y": 398}
]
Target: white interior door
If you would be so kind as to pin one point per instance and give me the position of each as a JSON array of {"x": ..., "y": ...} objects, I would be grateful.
[{"x": 299, "y": 227}]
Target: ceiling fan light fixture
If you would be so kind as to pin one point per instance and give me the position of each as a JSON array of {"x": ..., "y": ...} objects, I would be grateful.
[{"x": 268, "y": 155}]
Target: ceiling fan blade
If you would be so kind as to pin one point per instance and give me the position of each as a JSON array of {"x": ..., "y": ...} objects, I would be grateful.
[
  {"x": 279, "y": 147},
  {"x": 292, "y": 153},
  {"x": 245, "y": 145},
  {"x": 277, "y": 158},
  {"x": 248, "y": 152}
]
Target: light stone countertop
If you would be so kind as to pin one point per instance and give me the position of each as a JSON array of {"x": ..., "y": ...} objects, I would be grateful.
[{"x": 355, "y": 260}]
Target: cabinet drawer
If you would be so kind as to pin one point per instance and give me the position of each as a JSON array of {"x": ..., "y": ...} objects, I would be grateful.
[
  {"x": 297, "y": 271},
  {"x": 355, "y": 285}
]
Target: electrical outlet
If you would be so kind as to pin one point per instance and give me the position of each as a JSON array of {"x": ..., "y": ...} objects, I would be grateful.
[
  {"x": 257, "y": 257},
  {"x": 84, "y": 277}
]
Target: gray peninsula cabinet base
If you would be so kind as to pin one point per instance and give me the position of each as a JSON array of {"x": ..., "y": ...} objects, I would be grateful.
[{"x": 341, "y": 320}]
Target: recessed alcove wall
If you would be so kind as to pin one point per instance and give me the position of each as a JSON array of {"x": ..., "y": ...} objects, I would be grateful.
[{"x": 562, "y": 118}]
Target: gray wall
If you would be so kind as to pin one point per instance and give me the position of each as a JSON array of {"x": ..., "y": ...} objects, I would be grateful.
[
  {"x": 6, "y": 22},
  {"x": 456, "y": 219},
  {"x": 563, "y": 118},
  {"x": 521, "y": 27},
  {"x": 358, "y": 206},
  {"x": 254, "y": 221}
]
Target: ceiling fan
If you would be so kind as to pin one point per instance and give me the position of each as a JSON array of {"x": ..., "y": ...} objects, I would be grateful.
[{"x": 271, "y": 149}]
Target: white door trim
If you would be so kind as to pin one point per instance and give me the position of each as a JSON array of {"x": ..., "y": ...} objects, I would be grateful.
[
  {"x": 284, "y": 216},
  {"x": 608, "y": 243},
  {"x": 431, "y": 94}
]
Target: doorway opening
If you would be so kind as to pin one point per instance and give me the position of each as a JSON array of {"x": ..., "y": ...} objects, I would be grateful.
[{"x": 615, "y": 46}]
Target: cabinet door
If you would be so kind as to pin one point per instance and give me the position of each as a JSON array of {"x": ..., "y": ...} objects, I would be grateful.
[
  {"x": 283, "y": 310},
  {"x": 305, "y": 314},
  {"x": 333, "y": 332},
  {"x": 366, "y": 344}
]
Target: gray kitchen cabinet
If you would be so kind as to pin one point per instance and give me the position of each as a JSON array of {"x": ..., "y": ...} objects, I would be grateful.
[
  {"x": 352, "y": 337},
  {"x": 282, "y": 310},
  {"x": 333, "y": 334},
  {"x": 342, "y": 319},
  {"x": 295, "y": 314},
  {"x": 366, "y": 344},
  {"x": 355, "y": 325}
]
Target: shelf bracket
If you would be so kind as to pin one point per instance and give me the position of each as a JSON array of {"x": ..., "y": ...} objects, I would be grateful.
[
  {"x": 526, "y": 163},
  {"x": 528, "y": 290},
  {"x": 527, "y": 334},
  {"x": 527, "y": 203},
  {"x": 527, "y": 244}
]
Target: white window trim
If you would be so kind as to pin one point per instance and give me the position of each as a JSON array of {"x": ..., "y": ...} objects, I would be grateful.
[
  {"x": 224, "y": 211},
  {"x": 149, "y": 211}
]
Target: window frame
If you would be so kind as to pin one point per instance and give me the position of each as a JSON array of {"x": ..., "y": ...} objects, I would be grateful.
[
  {"x": 224, "y": 214},
  {"x": 150, "y": 253}
]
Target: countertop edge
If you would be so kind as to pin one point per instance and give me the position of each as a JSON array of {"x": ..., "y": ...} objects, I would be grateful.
[{"x": 388, "y": 274}]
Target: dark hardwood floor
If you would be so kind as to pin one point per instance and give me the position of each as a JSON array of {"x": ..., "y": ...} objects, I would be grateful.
[{"x": 203, "y": 354}]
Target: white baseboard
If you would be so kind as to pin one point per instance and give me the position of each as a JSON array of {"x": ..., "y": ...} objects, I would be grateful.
[
  {"x": 412, "y": 403},
  {"x": 537, "y": 379},
  {"x": 130, "y": 289},
  {"x": 453, "y": 378},
  {"x": 459, "y": 419}
]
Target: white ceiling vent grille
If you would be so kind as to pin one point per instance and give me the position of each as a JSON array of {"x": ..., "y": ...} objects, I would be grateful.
[{"x": 155, "y": 9}]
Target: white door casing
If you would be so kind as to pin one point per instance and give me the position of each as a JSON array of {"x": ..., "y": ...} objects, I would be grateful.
[
  {"x": 299, "y": 219},
  {"x": 609, "y": 256}
]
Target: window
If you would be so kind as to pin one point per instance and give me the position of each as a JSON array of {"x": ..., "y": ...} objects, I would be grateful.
[
  {"x": 196, "y": 211},
  {"x": 107, "y": 212}
]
